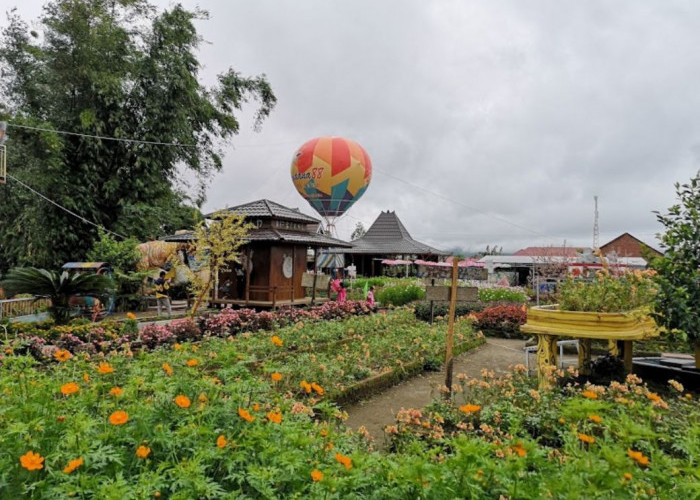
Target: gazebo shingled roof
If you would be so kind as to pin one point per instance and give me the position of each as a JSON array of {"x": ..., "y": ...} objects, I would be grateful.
[
  {"x": 388, "y": 236},
  {"x": 266, "y": 209}
]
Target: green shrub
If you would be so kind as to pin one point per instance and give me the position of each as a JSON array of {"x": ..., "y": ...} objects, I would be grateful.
[
  {"x": 375, "y": 282},
  {"x": 400, "y": 293},
  {"x": 422, "y": 309},
  {"x": 502, "y": 295},
  {"x": 608, "y": 292}
]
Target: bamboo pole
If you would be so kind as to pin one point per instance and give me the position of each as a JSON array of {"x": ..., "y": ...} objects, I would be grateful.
[
  {"x": 451, "y": 328},
  {"x": 313, "y": 290},
  {"x": 249, "y": 264}
]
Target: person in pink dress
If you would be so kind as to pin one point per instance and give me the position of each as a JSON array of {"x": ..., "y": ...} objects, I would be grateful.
[
  {"x": 342, "y": 293},
  {"x": 370, "y": 296}
]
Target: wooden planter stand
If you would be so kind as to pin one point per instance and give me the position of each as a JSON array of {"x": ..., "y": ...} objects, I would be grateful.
[{"x": 619, "y": 329}]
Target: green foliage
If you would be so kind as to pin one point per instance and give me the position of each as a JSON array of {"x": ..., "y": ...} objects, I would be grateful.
[
  {"x": 216, "y": 244},
  {"x": 441, "y": 309},
  {"x": 59, "y": 287},
  {"x": 504, "y": 437},
  {"x": 400, "y": 293},
  {"x": 520, "y": 443},
  {"x": 378, "y": 281},
  {"x": 116, "y": 69},
  {"x": 502, "y": 294},
  {"x": 678, "y": 278},
  {"x": 607, "y": 292},
  {"x": 121, "y": 255}
]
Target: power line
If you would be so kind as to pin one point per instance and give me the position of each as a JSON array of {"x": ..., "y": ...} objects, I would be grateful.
[
  {"x": 102, "y": 137},
  {"x": 138, "y": 141},
  {"x": 63, "y": 208}
]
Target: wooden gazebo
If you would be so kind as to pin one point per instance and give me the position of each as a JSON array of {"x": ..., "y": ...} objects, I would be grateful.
[{"x": 273, "y": 268}]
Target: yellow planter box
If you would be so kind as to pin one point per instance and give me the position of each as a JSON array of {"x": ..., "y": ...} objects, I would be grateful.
[{"x": 549, "y": 320}]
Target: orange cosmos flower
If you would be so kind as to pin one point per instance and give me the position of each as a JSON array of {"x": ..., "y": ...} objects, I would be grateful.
[
  {"x": 105, "y": 368},
  {"x": 116, "y": 391},
  {"x": 177, "y": 347},
  {"x": 119, "y": 417},
  {"x": 86, "y": 378},
  {"x": 306, "y": 386},
  {"x": 73, "y": 464},
  {"x": 143, "y": 451},
  {"x": 652, "y": 396},
  {"x": 62, "y": 355},
  {"x": 276, "y": 376},
  {"x": 316, "y": 475},
  {"x": 589, "y": 395},
  {"x": 586, "y": 438},
  {"x": 277, "y": 341},
  {"x": 221, "y": 441},
  {"x": 346, "y": 461},
  {"x": 627, "y": 476},
  {"x": 192, "y": 362},
  {"x": 518, "y": 448},
  {"x": 317, "y": 388},
  {"x": 245, "y": 415},
  {"x": 256, "y": 406},
  {"x": 470, "y": 408},
  {"x": 69, "y": 388},
  {"x": 167, "y": 369},
  {"x": 32, "y": 461},
  {"x": 130, "y": 315},
  {"x": 638, "y": 457},
  {"x": 182, "y": 401},
  {"x": 595, "y": 418},
  {"x": 274, "y": 417}
]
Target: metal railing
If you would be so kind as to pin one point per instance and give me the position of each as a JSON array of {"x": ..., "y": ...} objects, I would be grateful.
[{"x": 11, "y": 308}]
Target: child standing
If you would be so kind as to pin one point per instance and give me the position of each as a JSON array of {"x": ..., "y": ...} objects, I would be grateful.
[
  {"x": 370, "y": 296},
  {"x": 342, "y": 293}
]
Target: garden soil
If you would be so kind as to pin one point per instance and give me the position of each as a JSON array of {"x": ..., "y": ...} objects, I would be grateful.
[{"x": 379, "y": 411}]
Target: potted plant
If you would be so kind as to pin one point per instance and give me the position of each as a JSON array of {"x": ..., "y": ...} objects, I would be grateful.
[{"x": 611, "y": 306}]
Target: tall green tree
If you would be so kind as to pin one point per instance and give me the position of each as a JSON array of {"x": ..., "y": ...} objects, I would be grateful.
[
  {"x": 678, "y": 271},
  {"x": 112, "y": 68}
]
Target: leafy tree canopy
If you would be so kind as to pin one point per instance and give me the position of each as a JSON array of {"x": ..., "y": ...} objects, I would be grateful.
[
  {"x": 122, "y": 255},
  {"x": 112, "y": 68},
  {"x": 358, "y": 232},
  {"x": 678, "y": 270}
]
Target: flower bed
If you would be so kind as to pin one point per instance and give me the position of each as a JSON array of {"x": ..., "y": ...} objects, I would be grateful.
[
  {"x": 196, "y": 422},
  {"x": 337, "y": 355},
  {"x": 616, "y": 441},
  {"x": 43, "y": 339}
]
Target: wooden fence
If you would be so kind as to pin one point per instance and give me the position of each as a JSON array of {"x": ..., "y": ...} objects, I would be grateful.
[{"x": 11, "y": 308}]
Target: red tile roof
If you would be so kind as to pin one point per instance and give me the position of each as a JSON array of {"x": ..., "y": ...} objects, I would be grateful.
[{"x": 548, "y": 252}]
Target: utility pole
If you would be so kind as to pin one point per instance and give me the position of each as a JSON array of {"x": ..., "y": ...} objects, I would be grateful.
[{"x": 596, "y": 230}]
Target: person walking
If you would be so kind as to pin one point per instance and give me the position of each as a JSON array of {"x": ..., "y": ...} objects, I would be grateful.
[{"x": 162, "y": 298}]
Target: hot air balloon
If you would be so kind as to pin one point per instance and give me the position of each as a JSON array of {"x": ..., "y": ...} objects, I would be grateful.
[{"x": 331, "y": 173}]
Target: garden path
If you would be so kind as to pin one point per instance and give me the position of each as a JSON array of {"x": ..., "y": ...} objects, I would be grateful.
[{"x": 379, "y": 411}]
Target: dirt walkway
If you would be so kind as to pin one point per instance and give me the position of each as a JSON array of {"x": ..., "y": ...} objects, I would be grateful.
[{"x": 379, "y": 411}]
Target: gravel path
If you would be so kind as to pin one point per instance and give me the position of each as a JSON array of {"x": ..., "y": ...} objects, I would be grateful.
[{"x": 379, "y": 411}]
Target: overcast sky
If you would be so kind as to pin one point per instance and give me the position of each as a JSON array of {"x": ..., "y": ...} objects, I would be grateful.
[{"x": 488, "y": 122}]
